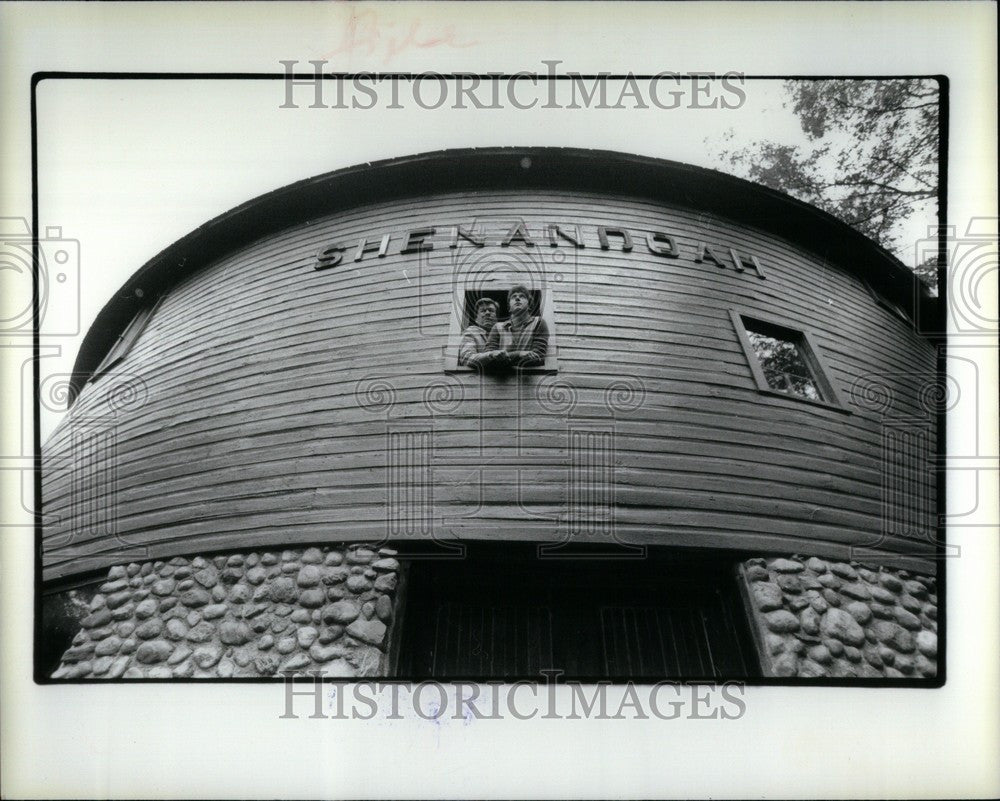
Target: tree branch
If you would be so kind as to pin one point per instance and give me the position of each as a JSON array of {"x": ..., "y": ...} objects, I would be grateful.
[{"x": 886, "y": 187}]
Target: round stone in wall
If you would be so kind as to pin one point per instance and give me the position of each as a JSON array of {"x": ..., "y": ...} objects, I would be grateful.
[
  {"x": 283, "y": 590},
  {"x": 149, "y": 629},
  {"x": 857, "y": 591},
  {"x": 207, "y": 656},
  {"x": 358, "y": 584},
  {"x": 296, "y": 662},
  {"x": 787, "y": 566},
  {"x": 844, "y": 571},
  {"x": 383, "y": 608},
  {"x": 195, "y": 597},
  {"x": 809, "y": 620},
  {"x": 373, "y": 631},
  {"x": 840, "y": 625},
  {"x": 312, "y": 598},
  {"x": 890, "y": 582},
  {"x": 835, "y": 647},
  {"x": 786, "y": 664},
  {"x": 859, "y": 611},
  {"x": 309, "y": 576},
  {"x": 234, "y": 632},
  {"x": 344, "y": 611},
  {"x": 153, "y": 651},
  {"x": 240, "y": 594}
]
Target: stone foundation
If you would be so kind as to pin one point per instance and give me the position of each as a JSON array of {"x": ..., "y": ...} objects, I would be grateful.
[
  {"x": 815, "y": 618},
  {"x": 250, "y": 614},
  {"x": 331, "y": 608}
]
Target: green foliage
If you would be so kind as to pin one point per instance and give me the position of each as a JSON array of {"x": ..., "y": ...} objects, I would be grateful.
[{"x": 870, "y": 158}]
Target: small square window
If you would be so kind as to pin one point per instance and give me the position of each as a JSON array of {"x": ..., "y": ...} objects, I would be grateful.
[
  {"x": 785, "y": 361},
  {"x": 464, "y": 316},
  {"x": 119, "y": 350},
  {"x": 499, "y": 297},
  {"x": 785, "y": 368},
  {"x": 885, "y": 303}
]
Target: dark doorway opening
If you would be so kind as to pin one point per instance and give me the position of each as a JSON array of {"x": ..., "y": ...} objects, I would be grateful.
[{"x": 503, "y": 613}]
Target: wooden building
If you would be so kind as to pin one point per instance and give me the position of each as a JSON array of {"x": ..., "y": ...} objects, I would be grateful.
[{"x": 724, "y": 466}]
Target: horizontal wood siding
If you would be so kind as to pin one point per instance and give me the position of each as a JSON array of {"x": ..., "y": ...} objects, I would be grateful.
[{"x": 259, "y": 406}]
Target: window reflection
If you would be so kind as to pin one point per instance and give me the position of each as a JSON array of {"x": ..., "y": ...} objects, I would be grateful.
[{"x": 784, "y": 366}]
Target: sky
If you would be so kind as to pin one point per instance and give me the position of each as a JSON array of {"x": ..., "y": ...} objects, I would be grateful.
[{"x": 126, "y": 167}]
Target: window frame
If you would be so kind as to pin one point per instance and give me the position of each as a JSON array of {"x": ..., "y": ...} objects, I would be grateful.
[
  {"x": 889, "y": 305},
  {"x": 831, "y": 397},
  {"x": 126, "y": 339},
  {"x": 455, "y": 328}
]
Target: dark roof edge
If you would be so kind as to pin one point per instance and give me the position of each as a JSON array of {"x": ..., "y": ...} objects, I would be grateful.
[{"x": 554, "y": 167}]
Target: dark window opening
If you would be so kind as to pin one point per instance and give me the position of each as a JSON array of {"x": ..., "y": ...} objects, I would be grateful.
[
  {"x": 502, "y": 613},
  {"x": 472, "y": 297},
  {"x": 120, "y": 349},
  {"x": 887, "y": 304},
  {"x": 463, "y": 315}
]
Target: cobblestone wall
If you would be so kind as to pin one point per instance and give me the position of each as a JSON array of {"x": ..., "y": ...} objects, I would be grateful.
[
  {"x": 332, "y": 608},
  {"x": 816, "y": 618},
  {"x": 250, "y": 614}
]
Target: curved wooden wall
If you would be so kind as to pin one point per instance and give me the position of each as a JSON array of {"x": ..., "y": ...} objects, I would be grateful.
[{"x": 259, "y": 405}]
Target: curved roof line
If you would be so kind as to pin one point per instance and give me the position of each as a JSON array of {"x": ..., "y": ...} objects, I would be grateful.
[{"x": 505, "y": 167}]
